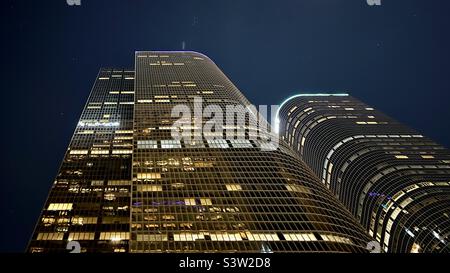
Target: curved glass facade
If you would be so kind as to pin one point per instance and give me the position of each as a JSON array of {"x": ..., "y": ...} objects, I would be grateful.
[
  {"x": 394, "y": 180},
  {"x": 226, "y": 198}
]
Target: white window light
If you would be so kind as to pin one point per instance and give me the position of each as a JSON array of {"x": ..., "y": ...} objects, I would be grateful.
[{"x": 170, "y": 144}]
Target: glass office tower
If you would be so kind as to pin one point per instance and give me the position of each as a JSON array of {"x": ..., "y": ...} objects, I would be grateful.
[
  {"x": 224, "y": 194},
  {"x": 393, "y": 179},
  {"x": 89, "y": 200},
  {"x": 127, "y": 185}
]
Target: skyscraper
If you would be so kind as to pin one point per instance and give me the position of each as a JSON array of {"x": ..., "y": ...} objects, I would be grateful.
[
  {"x": 393, "y": 179},
  {"x": 89, "y": 200},
  {"x": 127, "y": 185}
]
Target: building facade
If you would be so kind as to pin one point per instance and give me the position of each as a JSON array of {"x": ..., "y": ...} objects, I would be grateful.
[
  {"x": 89, "y": 200},
  {"x": 395, "y": 181},
  {"x": 160, "y": 194}
]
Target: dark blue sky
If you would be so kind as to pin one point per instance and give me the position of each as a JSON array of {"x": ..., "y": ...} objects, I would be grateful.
[{"x": 394, "y": 57}]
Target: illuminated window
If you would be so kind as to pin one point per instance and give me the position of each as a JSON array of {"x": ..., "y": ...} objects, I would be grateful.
[
  {"x": 148, "y": 176},
  {"x": 401, "y": 157},
  {"x": 167, "y": 128},
  {"x": 187, "y": 225},
  {"x": 233, "y": 187},
  {"x": 241, "y": 143},
  {"x": 78, "y": 152},
  {"x": 335, "y": 238},
  {"x": 60, "y": 206},
  {"x": 122, "y": 151},
  {"x": 189, "y": 201},
  {"x": 146, "y": 188},
  {"x": 86, "y": 132},
  {"x": 205, "y": 201},
  {"x": 103, "y": 78},
  {"x": 177, "y": 185},
  {"x": 183, "y": 237},
  {"x": 124, "y": 131},
  {"x": 299, "y": 237},
  {"x": 147, "y": 144},
  {"x": 262, "y": 236},
  {"x": 81, "y": 236},
  {"x": 427, "y": 156},
  {"x": 97, "y": 183},
  {"x": 50, "y": 236},
  {"x": 170, "y": 144},
  {"x": 36, "y": 249},
  {"x": 292, "y": 110},
  {"x": 151, "y": 237},
  {"x": 114, "y": 236},
  {"x": 297, "y": 188},
  {"x": 194, "y": 144},
  {"x": 168, "y": 217},
  {"x": 109, "y": 196},
  {"x": 218, "y": 143},
  {"x": 225, "y": 237},
  {"x": 119, "y": 183},
  {"x": 83, "y": 220},
  {"x": 48, "y": 221},
  {"x": 99, "y": 152},
  {"x": 150, "y": 218},
  {"x": 63, "y": 220},
  {"x": 123, "y": 137}
]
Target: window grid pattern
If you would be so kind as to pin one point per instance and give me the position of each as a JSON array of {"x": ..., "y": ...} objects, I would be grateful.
[
  {"x": 220, "y": 194},
  {"x": 91, "y": 193},
  {"x": 393, "y": 179}
]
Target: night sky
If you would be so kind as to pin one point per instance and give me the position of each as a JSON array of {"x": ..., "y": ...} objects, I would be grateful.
[{"x": 394, "y": 57}]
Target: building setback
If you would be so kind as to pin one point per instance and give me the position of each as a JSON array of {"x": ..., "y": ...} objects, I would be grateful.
[
  {"x": 395, "y": 181},
  {"x": 126, "y": 185}
]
